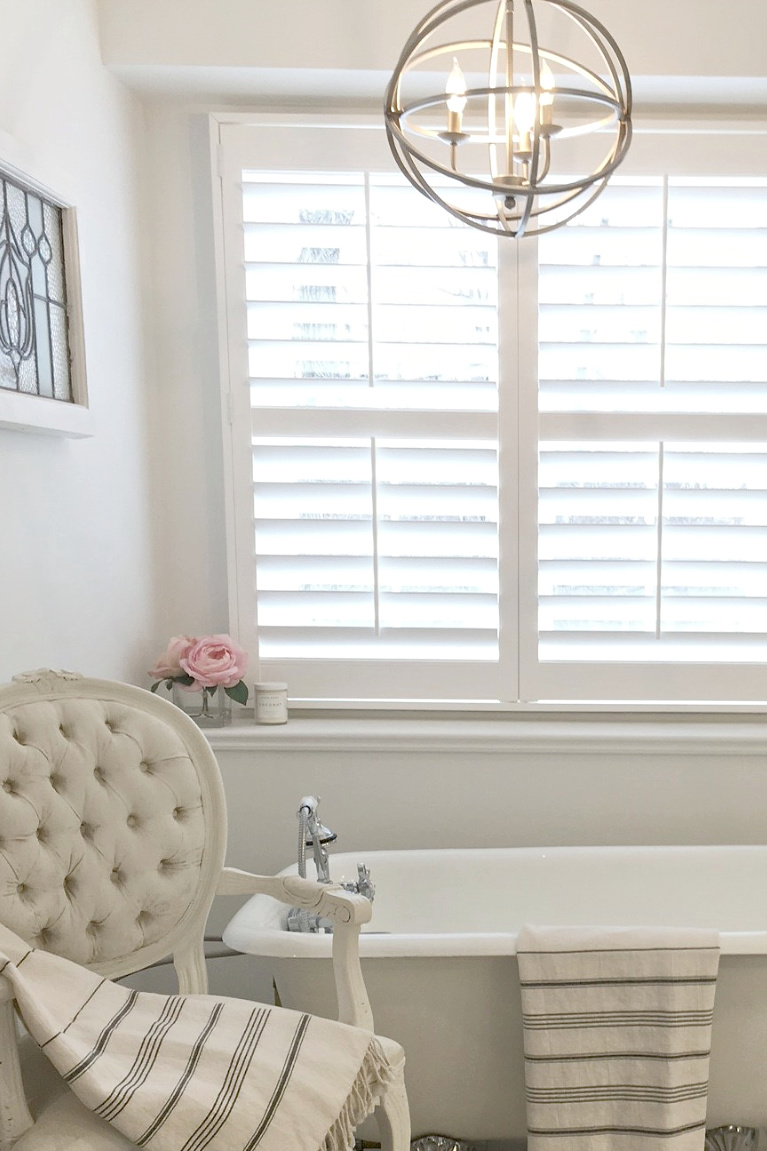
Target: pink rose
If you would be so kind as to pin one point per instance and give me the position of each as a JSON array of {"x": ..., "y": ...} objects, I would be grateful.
[
  {"x": 214, "y": 660},
  {"x": 168, "y": 665}
]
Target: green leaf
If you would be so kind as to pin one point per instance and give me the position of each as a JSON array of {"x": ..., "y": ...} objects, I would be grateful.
[
  {"x": 239, "y": 693},
  {"x": 155, "y": 686},
  {"x": 185, "y": 679}
]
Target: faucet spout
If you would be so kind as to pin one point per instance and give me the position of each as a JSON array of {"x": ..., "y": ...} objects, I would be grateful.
[{"x": 312, "y": 833}]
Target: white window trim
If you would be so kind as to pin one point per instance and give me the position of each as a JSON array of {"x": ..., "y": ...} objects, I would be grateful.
[
  {"x": 32, "y": 413},
  {"x": 538, "y": 734},
  {"x": 656, "y": 145}
]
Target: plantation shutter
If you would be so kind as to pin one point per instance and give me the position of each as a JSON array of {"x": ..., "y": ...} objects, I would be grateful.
[
  {"x": 373, "y": 382},
  {"x": 652, "y": 544},
  {"x": 467, "y": 475}
]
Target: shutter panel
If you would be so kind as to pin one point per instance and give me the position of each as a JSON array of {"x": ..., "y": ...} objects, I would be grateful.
[
  {"x": 653, "y": 301},
  {"x": 372, "y": 344}
]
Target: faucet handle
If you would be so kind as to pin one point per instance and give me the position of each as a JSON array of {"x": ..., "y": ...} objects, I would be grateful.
[
  {"x": 364, "y": 883},
  {"x": 320, "y": 832},
  {"x": 363, "y": 886}
]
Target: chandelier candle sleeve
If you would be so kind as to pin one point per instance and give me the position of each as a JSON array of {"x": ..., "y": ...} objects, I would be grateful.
[{"x": 271, "y": 702}]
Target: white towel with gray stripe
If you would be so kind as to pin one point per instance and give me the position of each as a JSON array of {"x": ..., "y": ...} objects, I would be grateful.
[
  {"x": 187, "y": 1073},
  {"x": 617, "y": 1036}
]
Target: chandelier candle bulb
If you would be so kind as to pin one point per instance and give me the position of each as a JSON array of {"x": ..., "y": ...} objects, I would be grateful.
[
  {"x": 455, "y": 90},
  {"x": 524, "y": 116},
  {"x": 546, "y": 98},
  {"x": 271, "y": 702}
]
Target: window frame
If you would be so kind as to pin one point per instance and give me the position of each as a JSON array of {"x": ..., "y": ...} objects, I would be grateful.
[
  {"x": 21, "y": 411},
  {"x": 528, "y": 684}
]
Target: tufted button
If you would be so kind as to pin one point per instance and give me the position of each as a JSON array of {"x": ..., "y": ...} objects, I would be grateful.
[
  {"x": 116, "y": 875},
  {"x": 69, "y": 883},
  {"x": 8, "y": 786},
  {"x": 98, "y": 773},
  {"x": 57, "y": 781},
  {"x": 144, "y": 766},
  {"x": 18, "y": 738},
  {"x": 144, "y": 917},
  {"x": 132, "y": 820},
  {"x": 86, "y": 831},
  {"x": 64, "y": 731},
  {"x": 42, "y": 833},
  {"x": 108, "y": 724},
  {"x": 21, "y": 888},
  {"x": 178, "y": 812},
  {"x": 93, "y": 927}
]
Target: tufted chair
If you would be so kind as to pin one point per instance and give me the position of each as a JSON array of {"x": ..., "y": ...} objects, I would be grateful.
[{"x": 112, "y": 841}]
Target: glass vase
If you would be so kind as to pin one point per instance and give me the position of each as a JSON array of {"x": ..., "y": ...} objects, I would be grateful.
[{"x": 208, "y": 708}]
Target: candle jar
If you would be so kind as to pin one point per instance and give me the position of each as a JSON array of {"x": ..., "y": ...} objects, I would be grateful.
[{"x": 271, "y": 702}]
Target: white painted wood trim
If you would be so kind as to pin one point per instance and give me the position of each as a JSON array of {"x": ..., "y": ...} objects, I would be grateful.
[
  {"x": 346, "y": 909},
  {"x": 731, "y": 737},
  {"x": 25, "y": 413},
  {"x": 15, "y": 1118}
]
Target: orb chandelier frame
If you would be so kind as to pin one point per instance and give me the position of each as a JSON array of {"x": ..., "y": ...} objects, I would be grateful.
[{"x": 512, "y": 115}]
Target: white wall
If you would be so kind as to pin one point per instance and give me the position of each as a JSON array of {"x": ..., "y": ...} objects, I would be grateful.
[
  {"x": 504, "y": 783},
  {"x": 384, "y": 796},
  {"x": 237, "y": 54},
  {"x": 185, "y": 413},
  {"x": 76, "y": 565}
]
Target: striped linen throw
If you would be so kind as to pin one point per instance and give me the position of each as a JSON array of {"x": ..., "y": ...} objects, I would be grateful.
[
  {"x": 617, "y": 1035},
  {"x": 196, "y": 1073}
]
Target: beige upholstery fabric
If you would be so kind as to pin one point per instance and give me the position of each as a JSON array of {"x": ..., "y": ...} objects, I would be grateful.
[
  {"x": 100, "y": 807},
  {"x": 63, "y": 1123},
  {"x": 68, "y": 1126}
]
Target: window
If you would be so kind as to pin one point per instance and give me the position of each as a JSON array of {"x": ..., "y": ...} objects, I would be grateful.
[
  {"x": 41, "y": 378},
  {"x": 470, "y": 470}
]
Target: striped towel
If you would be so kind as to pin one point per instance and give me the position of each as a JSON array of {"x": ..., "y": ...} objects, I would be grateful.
[
  {"x": 178, "y": 1073},
  {"x": 617, "y": 1034}
]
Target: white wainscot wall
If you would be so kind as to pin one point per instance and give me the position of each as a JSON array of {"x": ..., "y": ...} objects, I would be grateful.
[{"x": 399, "y": 783}]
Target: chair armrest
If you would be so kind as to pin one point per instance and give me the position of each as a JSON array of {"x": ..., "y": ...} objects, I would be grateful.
[
  {"x": 328, "y": 899},
  {"x": 347, "y": 911}
]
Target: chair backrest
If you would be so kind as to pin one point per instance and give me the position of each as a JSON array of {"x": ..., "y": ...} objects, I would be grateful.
[{"x": 112, "y": 821}]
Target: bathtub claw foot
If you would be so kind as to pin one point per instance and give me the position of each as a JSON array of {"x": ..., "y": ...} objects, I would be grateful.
[{"x": 731, "y": 1138}]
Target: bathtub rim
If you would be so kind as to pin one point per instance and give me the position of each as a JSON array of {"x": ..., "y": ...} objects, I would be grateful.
[{"x": 258, "y": 928}]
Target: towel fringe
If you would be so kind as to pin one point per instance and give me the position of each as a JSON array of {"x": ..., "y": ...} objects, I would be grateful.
[{"x": 373, "y": 1076}]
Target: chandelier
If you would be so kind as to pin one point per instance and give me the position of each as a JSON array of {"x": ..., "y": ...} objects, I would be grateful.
[{"x": 497, "y": 128}]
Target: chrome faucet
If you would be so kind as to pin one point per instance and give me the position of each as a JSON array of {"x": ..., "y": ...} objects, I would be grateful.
[{"x": 312, "y": 833}]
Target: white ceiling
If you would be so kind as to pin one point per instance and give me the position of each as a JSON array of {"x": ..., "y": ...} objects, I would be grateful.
[{"x": 685, "y": 52}]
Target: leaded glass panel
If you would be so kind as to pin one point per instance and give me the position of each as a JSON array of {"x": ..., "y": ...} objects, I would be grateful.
[{"x": 34, "y": 343}]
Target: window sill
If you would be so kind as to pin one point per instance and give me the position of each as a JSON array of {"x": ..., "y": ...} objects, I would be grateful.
[{"x": 691, "y": 734}]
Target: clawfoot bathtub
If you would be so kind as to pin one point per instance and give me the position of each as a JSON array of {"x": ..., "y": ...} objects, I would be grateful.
[{"x": 439, "y": 962}]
